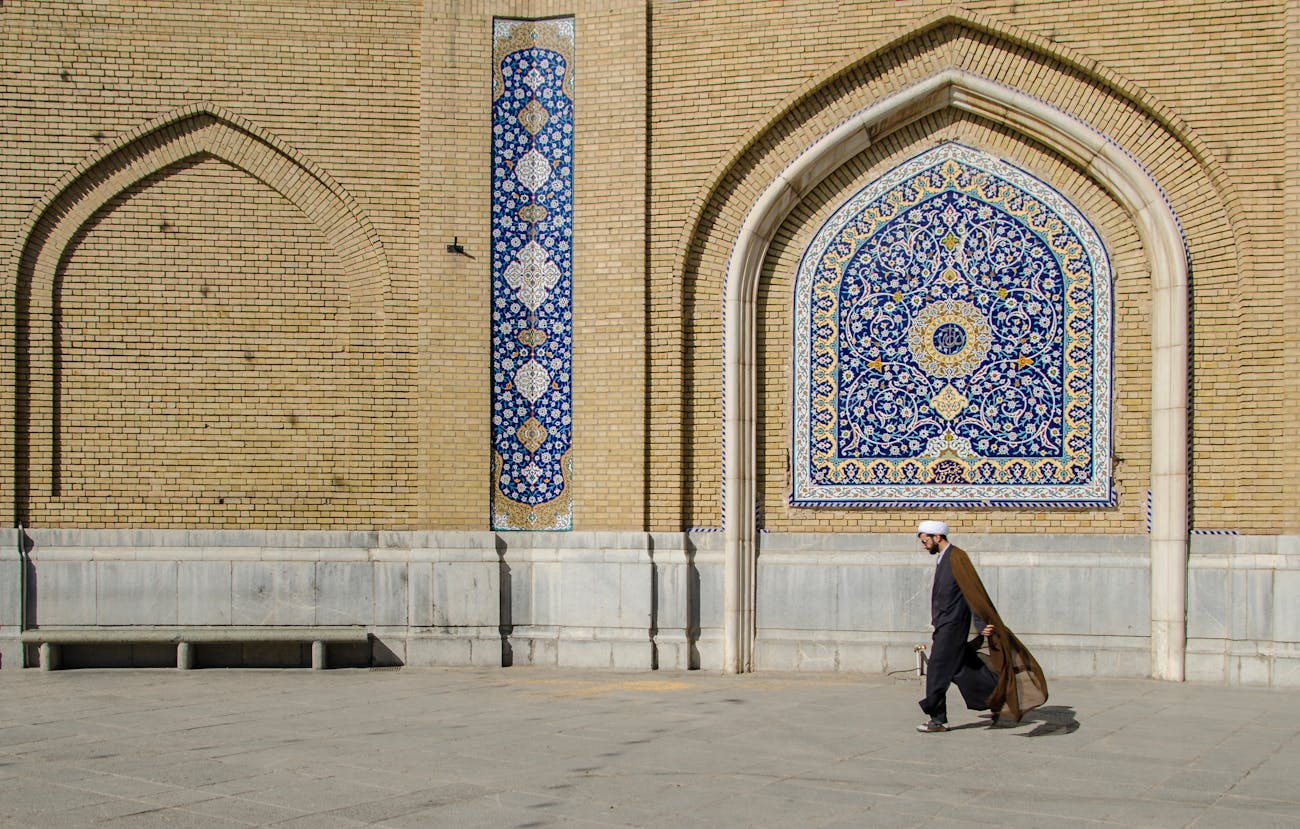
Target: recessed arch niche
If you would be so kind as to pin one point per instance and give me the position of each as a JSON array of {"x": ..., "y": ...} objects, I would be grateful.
[
  {"x": 194, "y": 135},
  {"x": 1114, "y": 170}
]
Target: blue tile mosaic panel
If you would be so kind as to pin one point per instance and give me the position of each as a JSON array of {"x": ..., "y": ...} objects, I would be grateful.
[
  {"x": 532, "y": 273},
  {"x": 953, "y": 344}
]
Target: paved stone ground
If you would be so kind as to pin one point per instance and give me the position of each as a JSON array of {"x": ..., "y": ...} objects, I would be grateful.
[{"x": 527, "y": 747}]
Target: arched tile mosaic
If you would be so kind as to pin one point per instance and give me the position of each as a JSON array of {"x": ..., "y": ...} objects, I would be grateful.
[
  {"x": 532, "y": 273},
  {"x": 953, "y": 344}
]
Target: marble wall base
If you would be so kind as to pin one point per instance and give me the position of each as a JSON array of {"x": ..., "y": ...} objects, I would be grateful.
[{"x": 640, "y": 601}]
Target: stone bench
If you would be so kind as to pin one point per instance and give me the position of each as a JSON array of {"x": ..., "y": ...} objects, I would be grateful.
[{"x": 49, "y": 639}]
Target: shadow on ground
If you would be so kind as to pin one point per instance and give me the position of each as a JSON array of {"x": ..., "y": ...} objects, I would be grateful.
[
  {"x": 1047, "y": 721},
  {"x": 1050, "y": 720}
]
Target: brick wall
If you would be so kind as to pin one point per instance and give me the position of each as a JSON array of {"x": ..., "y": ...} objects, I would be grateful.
[
  {"x": 1176, "y": 90},
  {"x": 684, "y": 111},
  {"x": 200, "y": 358},
  {"x": 609, "y": 262},
  {"x": 204, "y": 371}
]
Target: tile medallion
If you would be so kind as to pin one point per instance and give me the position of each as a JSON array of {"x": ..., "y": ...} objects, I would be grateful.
[
  {"x": 532, "y": 273},
  {"x": 953, "y": 344}
]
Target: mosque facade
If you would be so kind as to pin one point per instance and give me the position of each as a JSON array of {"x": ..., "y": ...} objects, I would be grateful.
[{"x": 643, "y": 334}]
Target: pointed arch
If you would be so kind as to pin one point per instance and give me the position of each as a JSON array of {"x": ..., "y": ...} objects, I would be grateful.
[
  {"x": 205, "y": 129},
  {"x": 956, "y": 23},
  {"x": 1113, "y": 169},
  {"x": 56, "y": 221}
]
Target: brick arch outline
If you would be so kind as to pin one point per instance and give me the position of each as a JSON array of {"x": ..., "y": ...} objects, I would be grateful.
[
  {"x": 765, "y": 199},
  {"x": 1007, "y": 35},
  {"x": 201, "y": 129}
]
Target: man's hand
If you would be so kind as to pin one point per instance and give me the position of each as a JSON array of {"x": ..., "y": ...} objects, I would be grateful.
[{"x": 987, "y": 631}]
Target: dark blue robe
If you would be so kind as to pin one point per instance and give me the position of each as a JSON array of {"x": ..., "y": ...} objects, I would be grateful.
[{"x": 954, "y": 657}]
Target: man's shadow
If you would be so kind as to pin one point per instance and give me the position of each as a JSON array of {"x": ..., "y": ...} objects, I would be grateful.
[
  {"x": 1050, "y": 720},
  {"x": 1047, "y": 721}
]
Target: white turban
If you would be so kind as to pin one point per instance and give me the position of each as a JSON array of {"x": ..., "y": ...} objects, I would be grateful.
[{"x": 932, "y": 528}]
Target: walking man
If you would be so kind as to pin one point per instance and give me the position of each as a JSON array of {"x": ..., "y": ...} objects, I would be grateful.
[{"x": 1010, "y": 681}]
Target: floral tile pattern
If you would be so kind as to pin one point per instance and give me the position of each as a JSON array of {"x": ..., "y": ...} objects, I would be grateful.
[
  {"x": 532, "y": 273},
  {"x": 953, "y": 344}
]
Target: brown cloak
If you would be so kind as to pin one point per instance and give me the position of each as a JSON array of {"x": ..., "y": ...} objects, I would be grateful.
[{"x": 1021, "y": 684}]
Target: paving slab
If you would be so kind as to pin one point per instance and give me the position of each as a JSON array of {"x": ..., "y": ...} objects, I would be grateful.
[{"x": 532, "y": 747}]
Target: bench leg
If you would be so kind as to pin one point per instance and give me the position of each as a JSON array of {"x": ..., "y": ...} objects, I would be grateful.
[
  {"x": 318, "y": 661},
  {"x": 49, "y": 656},
  {"x": 184, "y": 656}
]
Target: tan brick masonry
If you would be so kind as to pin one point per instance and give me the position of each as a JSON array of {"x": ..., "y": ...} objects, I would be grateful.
[{"x": 248, "y": 318}]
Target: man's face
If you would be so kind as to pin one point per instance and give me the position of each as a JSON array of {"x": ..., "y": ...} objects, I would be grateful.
[{"x": 930, "y": 542}]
